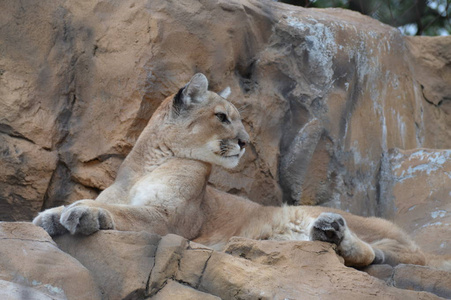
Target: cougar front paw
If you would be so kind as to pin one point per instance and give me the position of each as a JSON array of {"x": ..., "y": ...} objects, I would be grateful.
[
  {"x": 50, "y": 221},
  {"x": 328, "y": 227},
  {"x": 86, "y": 220}
]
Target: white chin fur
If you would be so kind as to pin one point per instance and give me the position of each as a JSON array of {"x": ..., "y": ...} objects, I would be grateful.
[
  {"x": 230, "y": 162},
  {"x": 208, "y": 155}
]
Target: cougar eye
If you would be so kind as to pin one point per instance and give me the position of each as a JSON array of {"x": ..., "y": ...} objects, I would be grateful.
[{"x": 222, "y": 117}]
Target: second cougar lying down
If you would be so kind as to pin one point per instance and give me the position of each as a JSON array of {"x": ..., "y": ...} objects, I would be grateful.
[{"x": 162, "y": 188}]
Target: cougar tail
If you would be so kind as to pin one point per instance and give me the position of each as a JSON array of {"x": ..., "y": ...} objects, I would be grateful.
[{"x": 441, "y": 262}]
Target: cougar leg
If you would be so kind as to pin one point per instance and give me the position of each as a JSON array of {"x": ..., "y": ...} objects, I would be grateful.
[{"x": 332, "y": 228}]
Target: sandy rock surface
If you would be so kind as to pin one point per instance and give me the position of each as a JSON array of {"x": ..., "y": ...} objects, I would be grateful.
[
  {"x": 420, "y": 188},
  {"x": 138, "y": 265},
  {"x": 120, "y": 262},
  {"x": 324, "y": 95},
  {"x": 342, "y": 111},
  {"x": 32, "y": 264}
]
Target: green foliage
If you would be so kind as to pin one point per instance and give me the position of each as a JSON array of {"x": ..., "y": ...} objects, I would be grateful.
[{"x": 412, "y": 17}]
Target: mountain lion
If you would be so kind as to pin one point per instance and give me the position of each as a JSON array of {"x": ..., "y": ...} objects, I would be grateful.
[{"x": 161, "y": 187}]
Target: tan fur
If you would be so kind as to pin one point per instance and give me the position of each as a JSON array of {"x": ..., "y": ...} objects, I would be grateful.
[{"x": 162, "y": 188}]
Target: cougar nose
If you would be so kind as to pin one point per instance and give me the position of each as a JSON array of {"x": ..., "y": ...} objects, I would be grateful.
[{"x": 241, "y": 143}]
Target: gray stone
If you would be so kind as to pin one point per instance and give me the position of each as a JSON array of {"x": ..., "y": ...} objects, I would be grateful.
[
  {"x": 419, "y": 278},
  {"x": 13, "y": 291},
  {"x": 383, "y": 272}
]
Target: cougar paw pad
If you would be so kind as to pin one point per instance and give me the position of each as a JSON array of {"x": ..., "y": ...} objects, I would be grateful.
[{"x": 328, "y": 227}]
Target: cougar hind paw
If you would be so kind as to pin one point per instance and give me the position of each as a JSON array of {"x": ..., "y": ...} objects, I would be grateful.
[{"x": 328, "y": 227}]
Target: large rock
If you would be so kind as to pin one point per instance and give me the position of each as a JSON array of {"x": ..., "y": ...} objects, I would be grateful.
[
  {"x": 120, "y": 262},
  {"x": 32, "y": 267},
  {"x": 13, "y": 291},
  {"x": 419, "y": 188},
  {"x": 286, "y": 270},
  {"x": 260, "y": 269},
  {"x": 412, "y": 277},
  {"x": 137, "y": 265},
  {"x": 324, "y": 94},
  {"x": 432, "y": 69},
  {"x": 177, "y": 291},
  {"x": 25, "y": 173},
  {"x": 419, "y": 278}
]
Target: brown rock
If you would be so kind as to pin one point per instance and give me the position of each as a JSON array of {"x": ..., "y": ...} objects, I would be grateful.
[
  {"x": 25, "y": 174},
  {"x": 383, "y": 272},
  {"x": 286, "y": 270},
  {"x": 420, "y": 188},
  {"x": 431, "y": 68},
  {"x": 120, "y": 262},
  {"x": 176, "y": 291},
  {"x": 85, "y": 80},
  {"x": 134, "y": 265},
  {"x": 192, "y": 264},
  {"x": 182, "y": 260},
  {"x": 323, "y": 95},
  {"x": 419, "y": 278},
  {"x": 33, "y": 265},
  {"x": 167, "y": 261}
]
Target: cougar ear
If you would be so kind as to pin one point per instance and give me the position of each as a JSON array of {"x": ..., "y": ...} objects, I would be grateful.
[
  {"x": 225, "y": 93},
  {"x": 195, "y": 91}
]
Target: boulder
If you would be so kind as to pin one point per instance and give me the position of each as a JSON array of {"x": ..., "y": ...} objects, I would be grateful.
[
  {"x": 13, "y": 291},
  {"x": 419, "y": 188},
  {"x": 413, "y": 277},
  {"x": 419, "y": 278},
  {"x": 120, "y": 262},
  {"x": 286, "y": 270},
  {"x": 177, "y": 291},
  {"x": 31, "y": 265},
  {"x": 431, "y": 68},
  {"x": 323, "y": 94},
  {"x": 383, "y": 272},
  {"x": 136, "y": 265},
  {"x": 25, "y": 175}
]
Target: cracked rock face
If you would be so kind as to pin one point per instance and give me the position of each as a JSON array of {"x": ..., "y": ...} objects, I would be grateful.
[
  {"x": 324, "y": 95},
  {"x": 32, "y": 267},
  {"x": 420, "y": 189},
  {"x": 120, "y": 262},
  {"x": 138, "y": 265},
  {"x": 25, "y": 174}
]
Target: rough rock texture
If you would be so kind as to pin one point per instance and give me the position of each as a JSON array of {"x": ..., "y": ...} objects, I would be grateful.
[
  {"x": 419, "y": 278},
  {"x": 324, "y": 94},
  {"x": 431, "y": 68},
  {"x": 120, "y": 262},
  {"x": 32, "y": 267},
  {"x": 13, "y": 291},
  {"x": 411, "y": 277},
  {"x": 26, "y": 172},
  {"x": 175, "y": 290},
  {"x": 137, "y": 265},
  {"x": 419, "y": 188}
]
